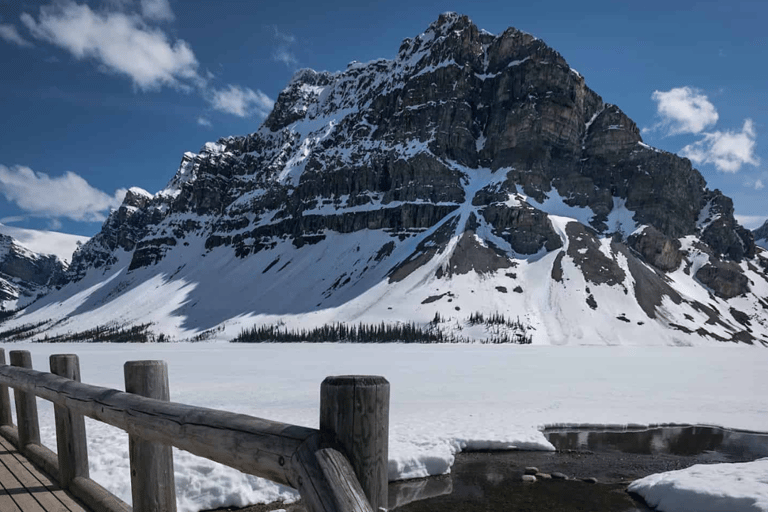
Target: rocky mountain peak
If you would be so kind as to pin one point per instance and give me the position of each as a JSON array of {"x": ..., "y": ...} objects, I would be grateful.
[{"x": 472, "y": 168}]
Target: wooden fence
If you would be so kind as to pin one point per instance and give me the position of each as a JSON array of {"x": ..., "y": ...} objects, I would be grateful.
[{"x": 341, "y": 467}]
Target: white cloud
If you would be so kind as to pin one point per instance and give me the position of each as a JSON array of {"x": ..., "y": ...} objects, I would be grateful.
[
  {"x": 282, "y": 53},
  {"x": 120, "y": 42},
  {"x": 750, "y": 221},
  {"x": 683, "y": 110},
  {"x": 157, "y": 10},
  {"x": 67, "y": 196},
  {"x": 759, "y": 185},
  {"x": 203, "y": 122},
  {"x": 240, "y": 101},
  {"x": 285, "y": 56},
  {"x": 10, "y": 33},
  {"x": 728, "y": 151}
]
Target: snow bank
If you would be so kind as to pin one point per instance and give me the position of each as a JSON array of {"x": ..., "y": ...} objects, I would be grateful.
[
  {"x": 708, "y": 488},
  {"x": 444, "y": 398}
]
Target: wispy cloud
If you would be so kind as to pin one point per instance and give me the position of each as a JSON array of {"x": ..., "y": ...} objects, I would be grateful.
[
  {"x": 759, "y": 184},
  {"x": 130, "y": 44},
  {"x": 202, "y": 121},
  {"x": 157, "y": 10},
  {"x": 120, "y": 42},
  {"x": 683, "y": 110},
  {"x": 10, "y": 34},
  {"x": 728, "y": 150},
  {"x": 241, "y": 101},
  {"x": 282, "y": 52},
  {"x": 69, "y": 195}
]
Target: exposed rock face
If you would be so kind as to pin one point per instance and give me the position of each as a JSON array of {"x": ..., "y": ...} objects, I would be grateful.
[
  {"x": 408, "y": 131},
  {"x": 725, "y": 278},
  {"x": 122, "y": 230},
  {"x": 466, "y": 154},
  {"x": 25, "y": 275},
  {"x": 723, "y": 234},
  {"x": 660, "y": 251}
]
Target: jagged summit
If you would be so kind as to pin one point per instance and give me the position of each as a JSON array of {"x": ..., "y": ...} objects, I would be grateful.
[{"x": 471, "y": 173}]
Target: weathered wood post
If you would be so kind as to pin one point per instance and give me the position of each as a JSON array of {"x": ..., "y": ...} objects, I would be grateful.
[
  {"x": 152, "y": 483},
  {"x": 6, "y": 418},
  {"x": 26, "y": 404},
  {"x": 70, "y": 427},
  {"x": 354, "y": 411}
]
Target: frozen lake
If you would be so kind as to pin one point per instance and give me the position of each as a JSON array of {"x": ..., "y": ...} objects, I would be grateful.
[{"x": 444, "y": 398}]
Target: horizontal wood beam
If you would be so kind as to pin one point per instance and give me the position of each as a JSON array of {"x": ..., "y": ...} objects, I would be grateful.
[
  {"x": 299, "y": 457},
  {"x": 252, "y": 445}
]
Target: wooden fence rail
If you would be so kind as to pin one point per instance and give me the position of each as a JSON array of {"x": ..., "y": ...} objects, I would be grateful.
[{"x": 340, "y": 467}]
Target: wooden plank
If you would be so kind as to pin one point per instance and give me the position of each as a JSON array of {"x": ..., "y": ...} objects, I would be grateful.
[
  {"x": 6, "y": 499},
  {"x": 50, "y": 495},
  {"x": 24, "y": 500},
  {"x": 32, "y": 484}
]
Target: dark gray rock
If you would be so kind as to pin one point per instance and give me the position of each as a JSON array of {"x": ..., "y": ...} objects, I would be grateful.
[
  {"x": 724, "y": 278},
  {"x": 660, "y": 251}
]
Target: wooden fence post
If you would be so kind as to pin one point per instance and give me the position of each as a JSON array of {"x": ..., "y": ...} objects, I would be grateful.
[
  {"x": 26, "y": 404},
  {"x": 354, "y": 411},
  {"x": 6, "y": 418},
  {"x": 71, "y": 443},
  {"x": 152, "y": 482}
]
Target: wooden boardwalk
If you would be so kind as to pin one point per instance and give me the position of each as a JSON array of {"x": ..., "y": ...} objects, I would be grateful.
[{"x": 24, "y": 488}]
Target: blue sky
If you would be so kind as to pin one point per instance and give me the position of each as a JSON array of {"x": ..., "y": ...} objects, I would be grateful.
[{"x": 101, "y": 95}]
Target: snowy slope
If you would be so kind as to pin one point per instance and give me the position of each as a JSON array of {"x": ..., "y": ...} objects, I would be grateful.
[{"x": 470, "y": 174}]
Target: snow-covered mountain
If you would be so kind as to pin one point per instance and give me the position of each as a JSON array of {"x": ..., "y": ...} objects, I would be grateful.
[
  {"x": 473, "y": 185},
  {"x": 43, "y": 242},
  {"x": 31, "y": 264}
]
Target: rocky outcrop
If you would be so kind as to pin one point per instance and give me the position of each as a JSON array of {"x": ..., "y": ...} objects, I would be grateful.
[
  {"x": 722, "y": 233},
  {"x": 660, "y": 251},
  {"x": 724, "y": 278}
]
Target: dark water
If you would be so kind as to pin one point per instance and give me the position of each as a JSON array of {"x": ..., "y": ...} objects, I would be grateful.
[
  {"x": 492, "y": 481},
  {"x": 717, "y": 444}
]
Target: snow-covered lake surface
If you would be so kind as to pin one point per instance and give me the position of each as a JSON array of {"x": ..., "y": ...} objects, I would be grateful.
[{"x": 444, "y": 398}]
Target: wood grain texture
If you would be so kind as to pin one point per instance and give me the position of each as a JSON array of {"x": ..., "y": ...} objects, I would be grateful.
[
  {"x": 50, "y": 486},
  {"x": 71, "y": 444},
  {"x": 326, "y": 480},
  {"x": 248, "y": 444},
  {"x": 6, "y": 416},
  {"x": 152, "y": 483},
  {"x": 287, "y": 454},
  {"x": 26, "y": 404},
  {"x": 354, "y": 412}
]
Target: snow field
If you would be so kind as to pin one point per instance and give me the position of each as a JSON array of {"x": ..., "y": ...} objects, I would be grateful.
[{"x": 444, "y": 398}]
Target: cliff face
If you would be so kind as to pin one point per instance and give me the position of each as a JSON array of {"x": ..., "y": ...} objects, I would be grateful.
[
  {"x": 468, "y": 156},
  {"x": 25, "y": 275}
]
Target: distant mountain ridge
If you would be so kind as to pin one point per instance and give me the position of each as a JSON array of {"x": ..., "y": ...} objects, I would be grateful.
[
  {"x": 473, "y": 173},
  {"x": 761, "y": 235}
]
